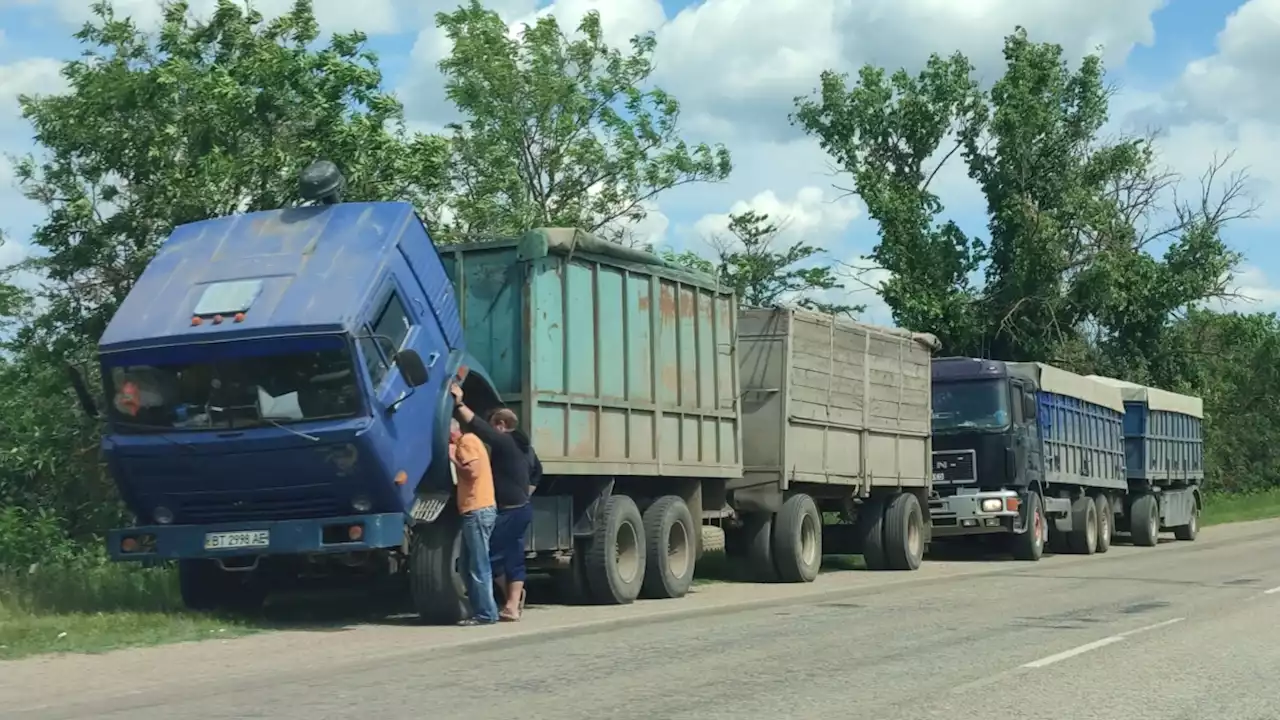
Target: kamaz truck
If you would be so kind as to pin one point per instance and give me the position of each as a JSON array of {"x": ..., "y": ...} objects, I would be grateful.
[
  {"x": 1048, "y": 458},
  {"x": 277, "y": 409}
]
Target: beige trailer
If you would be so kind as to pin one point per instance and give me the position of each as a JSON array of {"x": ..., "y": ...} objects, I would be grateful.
[{"x": 835, "y": 419}]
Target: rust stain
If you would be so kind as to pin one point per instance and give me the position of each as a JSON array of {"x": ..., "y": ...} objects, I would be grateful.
[
  {"x": 584, "y": 446},
  {"x": 667, "y": 303},
  {"x": 643, "y": 303},
  {"x": 686, "y": 304}
]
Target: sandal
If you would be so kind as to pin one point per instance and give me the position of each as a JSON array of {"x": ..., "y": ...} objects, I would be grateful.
[
  {"x": 472, "y": 622},
  {"x": 504, "y": 616}
]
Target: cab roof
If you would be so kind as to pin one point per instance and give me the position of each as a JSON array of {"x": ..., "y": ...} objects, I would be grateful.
[{"x": 291, "y": 271}]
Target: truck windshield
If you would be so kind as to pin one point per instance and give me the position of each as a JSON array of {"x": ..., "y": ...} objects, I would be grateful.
[
  {"x": 234, "y": 391},
  {"x": 972, "y": 405}
]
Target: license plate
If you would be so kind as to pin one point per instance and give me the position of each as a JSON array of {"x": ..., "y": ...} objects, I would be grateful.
[
  {"x": 939, "y": 477},
  {"x": 237, "y": 540}
]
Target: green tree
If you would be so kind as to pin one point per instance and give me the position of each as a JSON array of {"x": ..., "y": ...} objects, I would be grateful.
[
  {"x": 558, "y": 130},
  {"x": 201, "y": 119},
  {"x": 1069, "y": 272}
]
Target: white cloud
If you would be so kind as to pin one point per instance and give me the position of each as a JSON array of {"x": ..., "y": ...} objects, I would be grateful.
[
  {"x": 28, "y": 76},
  {"x": 816, "y": 216},
  {"x": 372, "y": 16},
  {"x": 1254, "y": 292}
]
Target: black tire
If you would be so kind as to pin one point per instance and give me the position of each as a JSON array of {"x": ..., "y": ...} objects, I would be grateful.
[
  {"x": 205, "y": 587},
  {"x": 1144, "y": 520},
  {"x": 1106, "y": 522},
  {"x": 1029, "y": 546},
  {"x": 436, "y": 587},
  {"x": 616, "y": 558},
  {"x": 1083, "y": 538},
  {"x": 671, "y": 543},
  {"x": 870, "y": 524},
  {"x": 797, "y": 540},
  {"x": 1188, "y": 532},
  {"x": 903, "y": 533},
  {"x": 757, "y": 533}
]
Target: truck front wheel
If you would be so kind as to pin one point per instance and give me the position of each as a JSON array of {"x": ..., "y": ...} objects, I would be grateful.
[
  {"x": 206, "y": 587},
  {"x": 435, "y": 585},
  {"x": 1029, "y": 545}
]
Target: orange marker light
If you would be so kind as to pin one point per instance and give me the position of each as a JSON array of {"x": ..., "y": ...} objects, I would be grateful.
[
  {"x": 196, "y": 321},
  {"x": 239, "y": 317},
  {"x": 355, "y": 532},
  {"x": 129, "y": 545},
  {"x": 402, "y": 477}
]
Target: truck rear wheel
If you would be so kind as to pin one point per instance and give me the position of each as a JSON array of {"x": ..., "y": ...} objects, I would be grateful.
[
  {"x": 1106, "y": 522},
  {"x": 671, "y": 545},
  {"x": 206, "y": 587},
  {"x": 1029, "y": 545},
  {"x": 1188, "y": 532},
  {"x": 436, "y": 587},
  {"x": 870, "y": 531},
  {"x": 757, "y": 535},
  {"x": 616, "y": 558},
  {"x": 571, "y": 586},
  {"x": 1144, "y": 520},
  {"x": 797, "y": 540},
  {"x": 903, "y": 533},
  {"x": 1083, "y": 538}
]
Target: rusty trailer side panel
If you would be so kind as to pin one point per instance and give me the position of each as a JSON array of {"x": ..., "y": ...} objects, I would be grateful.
[
  {"x": 832, "y": 402},
  {"x": 618, "y": 364}
]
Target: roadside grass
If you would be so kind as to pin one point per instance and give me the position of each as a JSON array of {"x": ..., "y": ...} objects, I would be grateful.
[
  {"x": 1221, "y": 509},
  {"x": 95, "y": 606}
]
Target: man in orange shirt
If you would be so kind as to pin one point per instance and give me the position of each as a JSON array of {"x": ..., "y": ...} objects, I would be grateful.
[{"x": 479, "y": 511}]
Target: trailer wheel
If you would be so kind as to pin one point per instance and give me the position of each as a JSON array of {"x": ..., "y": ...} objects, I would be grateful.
[
  {"x": 205, "y": 587},
  {"x": 1144, "y": 520},
  {"x": 1083, "y": 538},
  {"x": 757, "y": 534},
  {"x": 616, "y": 559},
  {"x": 797, "y": 540},
  {"x": 1029, "y": 546},
  {"x": 671, "y": 545},
  {"x": 1188, "y": 532},
  {"x": 870, "y": 531},
  {"x": 903, "y": 533},
  {"x": 436, "y": 587},
  {"x": 1106, "y": 522}
]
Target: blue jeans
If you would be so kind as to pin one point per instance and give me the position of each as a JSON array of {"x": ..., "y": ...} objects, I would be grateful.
[{"x": 477, "y": 527}]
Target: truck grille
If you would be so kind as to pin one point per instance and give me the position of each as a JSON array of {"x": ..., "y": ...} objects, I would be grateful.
[
  {"x": 955, "y": 466},
  {"x": 259, "y": 506}
]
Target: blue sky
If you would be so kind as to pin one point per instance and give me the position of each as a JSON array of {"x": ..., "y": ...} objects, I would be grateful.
[{"x": 736, "y": 64}]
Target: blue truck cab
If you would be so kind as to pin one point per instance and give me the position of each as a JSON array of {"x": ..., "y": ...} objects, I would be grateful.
[
  {"x": 1023, "y": 449},
  {"x": 277, "y": 404}
]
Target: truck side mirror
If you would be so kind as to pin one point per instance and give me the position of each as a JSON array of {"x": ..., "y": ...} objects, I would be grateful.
[
  {"x": 1029, "y": 407},
  {"x": 82, "y": 392},
  {"x": 412, "y": 369}
]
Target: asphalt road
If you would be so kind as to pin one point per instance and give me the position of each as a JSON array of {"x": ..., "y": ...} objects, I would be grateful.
[{"x": 1184, "y": 631}]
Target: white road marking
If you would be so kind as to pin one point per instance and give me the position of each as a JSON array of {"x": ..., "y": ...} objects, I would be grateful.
[
  {"x": 1272, "y": 591},
  {"x": 1087, "y": 647}
]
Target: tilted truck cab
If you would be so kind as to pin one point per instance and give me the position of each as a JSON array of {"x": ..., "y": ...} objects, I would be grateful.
[{"x": 276, "y": 387}]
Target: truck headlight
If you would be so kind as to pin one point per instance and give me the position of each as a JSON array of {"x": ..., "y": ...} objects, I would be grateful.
[
  {"x": 163, "y": 515},
  {"x": 992, "y": 505},
  {"x": 361, "y": 504}
]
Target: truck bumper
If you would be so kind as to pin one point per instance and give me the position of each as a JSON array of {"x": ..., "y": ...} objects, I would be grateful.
[
  {"x": 281, "y": 537},
  {"x": 977, "y": 513}
]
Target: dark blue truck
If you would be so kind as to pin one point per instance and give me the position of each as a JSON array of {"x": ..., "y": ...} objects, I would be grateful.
[
  {"x": 277, "y": 404},
  {"x": 1046, "y": 457}
]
